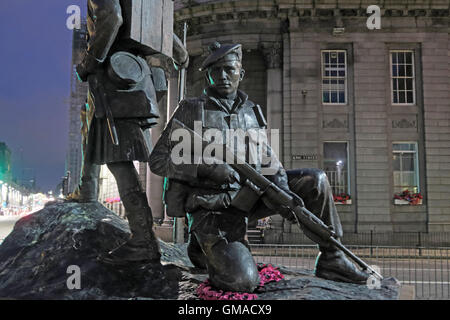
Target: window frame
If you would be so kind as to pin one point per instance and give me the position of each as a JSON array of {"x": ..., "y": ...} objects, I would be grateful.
[
  {"x": 348, "y": 176},
  {"x": 322, "y": 77},
  {"x": 416, "y": 162},
  {"x": 413, "y": 78}
]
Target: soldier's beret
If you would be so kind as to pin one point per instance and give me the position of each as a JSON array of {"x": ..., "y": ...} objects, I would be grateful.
[{"x": 218, "y": 51}]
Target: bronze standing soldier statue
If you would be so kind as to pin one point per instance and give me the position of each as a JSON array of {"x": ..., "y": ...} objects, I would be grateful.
[
  {"x": 218, "y": 207},
  {"x": 122, "y": 106}
]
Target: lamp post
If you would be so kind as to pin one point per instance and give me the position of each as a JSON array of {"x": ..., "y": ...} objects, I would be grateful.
[
  {"x": 1, "y": 196},
  {"x": 339, "y": 166}
]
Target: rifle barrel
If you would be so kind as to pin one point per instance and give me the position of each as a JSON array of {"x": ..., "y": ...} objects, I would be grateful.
[{"x": 182, "y": 84}]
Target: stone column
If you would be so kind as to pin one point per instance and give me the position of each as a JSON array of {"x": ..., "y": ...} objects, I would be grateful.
[
  {"x": 273, "y": 53},
  {"x": 155, "y": 183}
]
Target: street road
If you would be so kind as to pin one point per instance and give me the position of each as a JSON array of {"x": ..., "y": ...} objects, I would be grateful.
[{"x": 6, "y": 225}]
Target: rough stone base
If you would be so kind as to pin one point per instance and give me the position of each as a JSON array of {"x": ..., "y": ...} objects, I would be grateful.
[{"x": 35, "y": 257}]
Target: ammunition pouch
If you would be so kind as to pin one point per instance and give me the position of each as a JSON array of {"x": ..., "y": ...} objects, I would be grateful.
[
  {"x": 212, "y": 202},
  {"x": 175, "y": 195}
]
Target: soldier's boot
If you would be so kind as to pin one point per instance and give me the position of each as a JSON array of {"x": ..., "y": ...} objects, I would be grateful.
[
  {"x": 195, "y": 253},
  {"x": 313, "y": 187},
  {"x": 143, "y": 246},
  {"x": 84, "y": 193},
  {"x": 333, "y": 264}
]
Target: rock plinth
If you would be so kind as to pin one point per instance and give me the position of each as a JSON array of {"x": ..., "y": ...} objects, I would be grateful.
[{"x": 38, "y": 259}]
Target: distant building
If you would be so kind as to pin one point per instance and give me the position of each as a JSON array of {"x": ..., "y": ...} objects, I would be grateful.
[
  {"x": 14, "y": 195},
  {"x": 78, "y": 94},
  {"x": 370, "y": 107},
  {"x": 5, "y": 163}
]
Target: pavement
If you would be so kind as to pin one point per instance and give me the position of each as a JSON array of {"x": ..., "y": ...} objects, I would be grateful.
[{"x": 7, "y": 223}]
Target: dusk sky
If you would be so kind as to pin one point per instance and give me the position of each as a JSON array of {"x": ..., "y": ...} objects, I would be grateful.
[{"x": 35, "y": 55}]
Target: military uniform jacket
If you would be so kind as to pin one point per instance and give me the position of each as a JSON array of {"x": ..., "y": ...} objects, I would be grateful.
[{"x": 213, "y": 114}]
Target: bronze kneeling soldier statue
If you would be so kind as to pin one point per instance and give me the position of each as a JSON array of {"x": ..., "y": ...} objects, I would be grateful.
[{"x": 213, "y": 197}]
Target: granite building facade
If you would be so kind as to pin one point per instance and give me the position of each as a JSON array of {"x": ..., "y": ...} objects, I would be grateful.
[{"x": 371, "y": 107}]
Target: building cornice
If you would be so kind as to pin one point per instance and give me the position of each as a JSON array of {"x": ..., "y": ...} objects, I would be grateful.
[
  {"x": 314, "y": 8},
  {"x": 198, "y": 12}
]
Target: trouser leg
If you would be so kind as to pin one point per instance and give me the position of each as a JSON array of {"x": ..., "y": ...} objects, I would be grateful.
[
  {"x": 195, "y": 252},
  {"x": 313, "y": 187},
  {"x": 89, "y": 182},
  {"x": 143, "y": 244},
  {"x": 87, "y": 190}
]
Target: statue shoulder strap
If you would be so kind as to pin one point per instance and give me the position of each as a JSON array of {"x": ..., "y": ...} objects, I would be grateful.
[
  {"x": 259, "y": 115},
  {"x": 190, "y": 110}
]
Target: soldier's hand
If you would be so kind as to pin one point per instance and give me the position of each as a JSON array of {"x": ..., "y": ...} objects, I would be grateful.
[
  {"x": 87, "y": 66},
  {"x": 297, "y": 200},
  {"x": 219, "y": 173},
  {"x": 82, "y": 72},
  {"x": 286, "y": 212},
  {"x": 185, "y": 64},
  {"x": 180, "y": 54},
  {"x": 181, "y": 65}
]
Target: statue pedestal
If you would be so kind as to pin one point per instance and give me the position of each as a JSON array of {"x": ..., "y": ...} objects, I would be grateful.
[{"x": 70, "y": 236}]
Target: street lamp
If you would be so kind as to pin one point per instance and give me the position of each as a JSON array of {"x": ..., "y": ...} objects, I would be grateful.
[
  {"x": 339, "y": 165},
  {"x": 1, "y": 195}
]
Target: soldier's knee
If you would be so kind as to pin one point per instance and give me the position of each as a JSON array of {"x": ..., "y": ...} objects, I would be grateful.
[
  {"x": 232, "y": 268},
  {"x": 309, "y": 182},
  {"x": 321, "y": 176},
  {"x": 318, "y": 175},
  {"x": 322, "y": 180}
]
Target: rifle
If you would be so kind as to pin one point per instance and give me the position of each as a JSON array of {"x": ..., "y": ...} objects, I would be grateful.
[
  {"x": 182, "y": 79},
  {"x": 178, "y": 222},
  {"x": 306, "y": 220},
  {"x": 99, "y": 91}
]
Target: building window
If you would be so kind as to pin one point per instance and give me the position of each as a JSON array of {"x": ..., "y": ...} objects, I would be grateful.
[
  {"x": 334, "y": 77},
  {"x": 335, "y": 164},
  {"x": 405, "y": 167},
  {"x": 402, "y": 77}
]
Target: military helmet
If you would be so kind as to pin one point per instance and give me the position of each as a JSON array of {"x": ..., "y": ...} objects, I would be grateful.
[{"x": 218, "y": 51}]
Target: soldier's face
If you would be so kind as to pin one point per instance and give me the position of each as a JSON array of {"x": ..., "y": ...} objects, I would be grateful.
[{"x": 224, "y": 77}]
